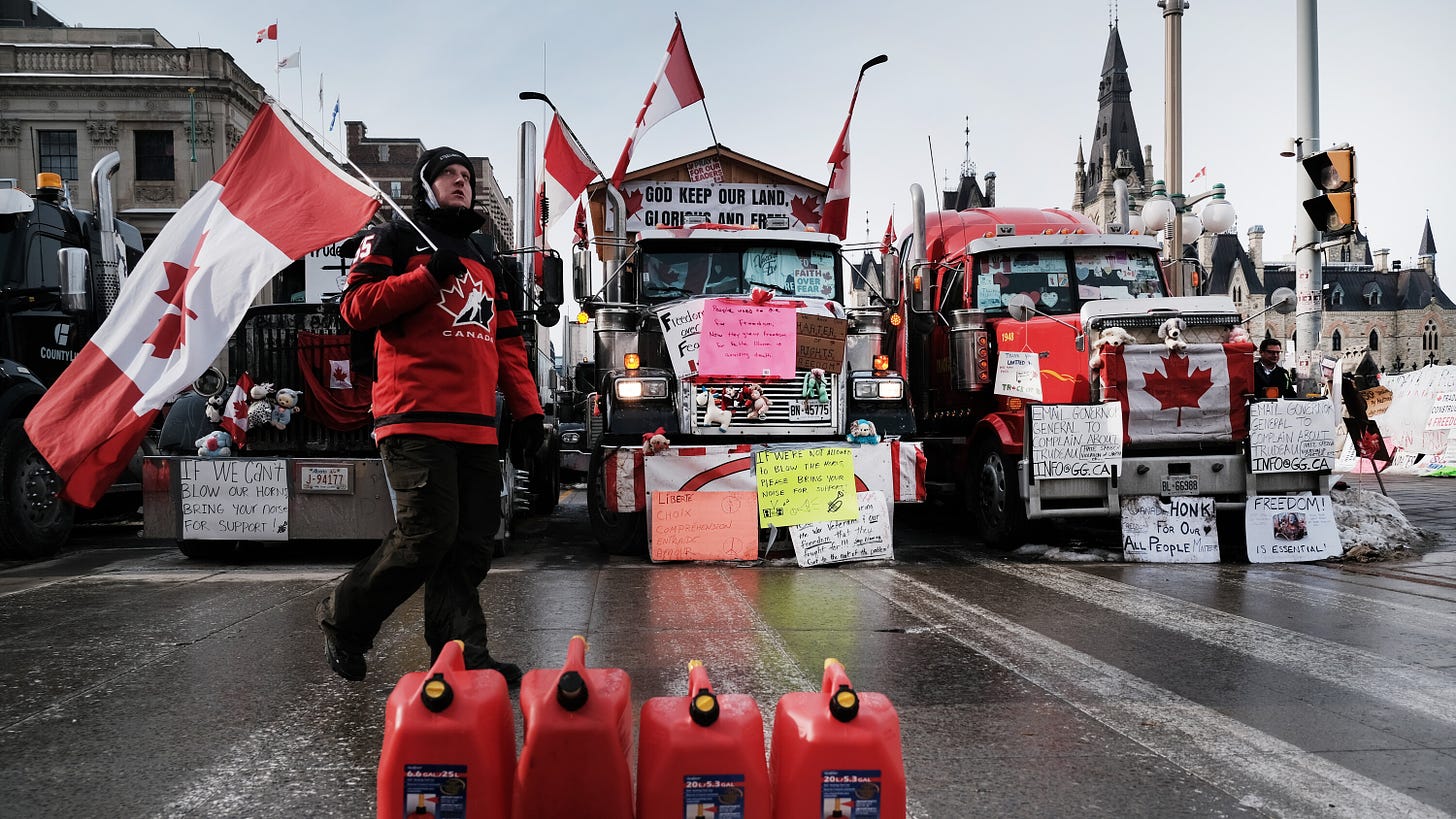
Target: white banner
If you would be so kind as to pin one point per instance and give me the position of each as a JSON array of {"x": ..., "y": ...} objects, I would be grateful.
[
  {"x": 234, "y": 498},
  {"x": 840, "y": 541},
  {"x": 679, "y": 204}
]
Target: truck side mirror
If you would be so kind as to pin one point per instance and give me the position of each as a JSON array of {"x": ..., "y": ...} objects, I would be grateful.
[
  {"x": 919, "y": 283},
  {"x": 892, "y": 278},
  {"x": 1021, "y": 307},
  {"x": 75, "y": 285},
  {"x": 552, "y": 293},
  {"x": 581, "y": 273}
]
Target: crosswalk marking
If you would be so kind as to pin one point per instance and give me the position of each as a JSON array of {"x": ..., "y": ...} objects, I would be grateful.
[{"x": 1261, "y": 771}]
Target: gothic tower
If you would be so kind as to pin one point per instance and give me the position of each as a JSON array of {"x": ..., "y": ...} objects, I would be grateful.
[{"x": 1115, "y": 152}]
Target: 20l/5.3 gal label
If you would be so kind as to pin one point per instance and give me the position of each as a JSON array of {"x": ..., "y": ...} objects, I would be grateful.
[
  {"x": 714, "y": 796},
  {"x": 852, "y": 794}
]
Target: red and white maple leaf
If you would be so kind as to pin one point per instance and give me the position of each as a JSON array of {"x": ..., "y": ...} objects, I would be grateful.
[
  {"x": 805, "y": 210},
  {"x": 240, "y": 409},
  {"x": 340, "y": 375},
  {"x": 633, "y": 202},
  {"x": 171, "y": 332},
  {"x": 1179, "y": 388}
]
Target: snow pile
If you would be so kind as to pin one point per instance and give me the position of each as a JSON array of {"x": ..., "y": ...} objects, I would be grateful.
[{"x": 1371, "y": 524}]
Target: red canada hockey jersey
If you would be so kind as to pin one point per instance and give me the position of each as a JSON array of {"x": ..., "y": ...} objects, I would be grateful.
[{"x": 441, "y": 351}]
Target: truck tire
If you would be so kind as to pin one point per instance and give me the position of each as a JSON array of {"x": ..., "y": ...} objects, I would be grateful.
[
  {"x": 34, "y": 521},
  {"x": 992, "y": 496},
  {"x": 545, "y": 480},
  {"x": 618, "y": 533}
]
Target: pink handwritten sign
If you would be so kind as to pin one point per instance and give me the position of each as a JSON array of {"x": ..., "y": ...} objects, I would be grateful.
[
  {"x": 704, "y": 526},
  {"x": 747, "y": 340}
]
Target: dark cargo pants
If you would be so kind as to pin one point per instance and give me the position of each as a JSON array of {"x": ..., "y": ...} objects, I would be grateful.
[{"x": 447, "y": 510}]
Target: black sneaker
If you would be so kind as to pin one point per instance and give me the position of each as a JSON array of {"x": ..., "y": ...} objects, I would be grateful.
[
  {"x": 347, "y": 664},
  {"x": 510, "y": 671}
]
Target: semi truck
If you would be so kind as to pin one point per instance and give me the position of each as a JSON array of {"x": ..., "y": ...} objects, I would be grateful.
[
  {"x": 60, "y": 271},
  {"x": 1081, "y": 303},
  {"x": 652, "y": 370}
]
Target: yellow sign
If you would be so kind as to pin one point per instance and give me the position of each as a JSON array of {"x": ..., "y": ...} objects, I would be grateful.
[{"x": 805, "y": 485}]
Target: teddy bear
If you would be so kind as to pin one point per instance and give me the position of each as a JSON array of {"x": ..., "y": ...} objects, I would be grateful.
[
  {"x": 655, "y": 442},
  {"x": 862, "y": 431},
  {"x": 1110, "y": 336},
  {"x": 751, "y": 396},
  {"x": 816, "y": 386},
  {"x": 285, "y": 403},
  {"x": 216, "y": 444},
  {"x": 1171, "y": 332},
  {"x": 717, "y": 409}
]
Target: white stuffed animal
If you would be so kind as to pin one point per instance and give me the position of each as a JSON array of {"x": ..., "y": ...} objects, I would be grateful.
[
  {"x": 1238, "y": 335},
  {"x": 717, "y": 409},
  {"x": 655, "y": 442},
  {"x": 1114, "y": 336},
  {"x": 1171, "y": 332}
]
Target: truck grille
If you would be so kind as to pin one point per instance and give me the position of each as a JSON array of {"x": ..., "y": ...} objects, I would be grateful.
[
  {"x": 781, "y": 396},
  {"x": 266, "y": 346}
]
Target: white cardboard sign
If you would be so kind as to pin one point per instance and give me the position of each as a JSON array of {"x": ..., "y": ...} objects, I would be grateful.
[
  {"x": 840, "y": 541},
  {"x": 1075, "y": 440},
  {"x": 1292, "y": 436},
  {"x": 234, "y": 498},
  {"x": 1291, "y": 528},
  {"x": 1181, "y": 530},
  {"x": 1018, "y": 375}
]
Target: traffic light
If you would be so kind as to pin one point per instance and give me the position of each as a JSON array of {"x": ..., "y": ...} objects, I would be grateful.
[{"x": 1333, "y": 173}]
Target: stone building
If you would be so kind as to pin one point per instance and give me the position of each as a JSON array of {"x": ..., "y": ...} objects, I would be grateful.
[
  {"x": 70, "y": 96},
  {"x": 1116, "y": 153},
  {"x": 1380, "y": 314},
  {"x": 390, "y": 162}
]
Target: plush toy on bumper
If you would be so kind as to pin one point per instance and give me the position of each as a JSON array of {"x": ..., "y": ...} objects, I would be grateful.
[
  {"x": 285, "y": 403},
  {"x": 655, "y": 442},
  {"x": 1171, "y": 332},
  {"x": 216, "y": 444},
  {"x": 862, "y": 432}
]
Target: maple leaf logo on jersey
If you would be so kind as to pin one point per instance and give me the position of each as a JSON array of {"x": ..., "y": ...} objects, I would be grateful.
[
  {"x": 1179, "y": 388},
  {"x": 468, "y": 302}
]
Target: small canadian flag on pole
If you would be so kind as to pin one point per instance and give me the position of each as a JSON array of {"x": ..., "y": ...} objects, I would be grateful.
[
  {"x": 1202, "y": 172},
  {"x": 268, "y": 33}
]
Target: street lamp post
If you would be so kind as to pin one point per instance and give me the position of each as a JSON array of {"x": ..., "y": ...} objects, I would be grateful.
[
  {"x": 1162, "y": 210},
  {"x": 1173, "y": 123}
]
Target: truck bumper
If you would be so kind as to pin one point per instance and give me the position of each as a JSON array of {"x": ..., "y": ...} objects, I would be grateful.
[
  {"x": 1225, "y": 478},
  {"x": 185, "y": 498},
  {"x": 896, "y": 468}
]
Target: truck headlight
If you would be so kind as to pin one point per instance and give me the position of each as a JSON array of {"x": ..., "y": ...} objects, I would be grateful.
[
  {"x": 636, "y": 389},
  {"x": 571, "y": 438},
  {"x": 879, "y": 389}
]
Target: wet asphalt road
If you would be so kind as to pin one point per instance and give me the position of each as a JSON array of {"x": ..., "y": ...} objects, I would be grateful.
[{"x": 137, "y": 683}]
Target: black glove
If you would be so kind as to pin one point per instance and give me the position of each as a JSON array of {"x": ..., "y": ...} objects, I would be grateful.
[
  {"x": 446, "y": 265},
  {"x": 531, "y": 432}
]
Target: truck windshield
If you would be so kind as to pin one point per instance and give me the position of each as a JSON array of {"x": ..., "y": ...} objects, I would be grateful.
[
  {"x": 787, "y": 270},
  {"x": 1058, "y": 281}
]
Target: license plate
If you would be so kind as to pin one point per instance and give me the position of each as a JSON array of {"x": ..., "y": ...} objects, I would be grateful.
[
  {"x": 1180, "y": 485},
  {"x": 808, "y": 411}
]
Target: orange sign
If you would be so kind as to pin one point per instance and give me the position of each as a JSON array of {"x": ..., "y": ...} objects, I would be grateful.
[{"x": 704, "y": 526}]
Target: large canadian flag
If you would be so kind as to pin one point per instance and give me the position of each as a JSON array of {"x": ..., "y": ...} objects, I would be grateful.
[
  {"x": 1191, "y": 397},
  {"x": 676, "y": 88},
  {"x": 276, "y": 199},
  {"x": 567, "y": 169}
]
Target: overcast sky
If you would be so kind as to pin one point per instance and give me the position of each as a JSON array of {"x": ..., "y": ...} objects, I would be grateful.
[{"x": 778, "y": 77}]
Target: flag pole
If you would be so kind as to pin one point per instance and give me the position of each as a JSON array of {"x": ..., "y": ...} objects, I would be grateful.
[
  {"x": 537, "y": 95},
  {"x": 302, "y": 103},
  {"x": 277, "y": 58},
  {"x": 709, "y": 117}
]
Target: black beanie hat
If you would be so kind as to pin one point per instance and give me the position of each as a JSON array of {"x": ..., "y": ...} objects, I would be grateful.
[{"x": 431, "y": 164}]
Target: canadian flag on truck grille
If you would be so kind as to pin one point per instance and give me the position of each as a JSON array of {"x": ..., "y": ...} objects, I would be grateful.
[{"x": 1172, "y": 398}]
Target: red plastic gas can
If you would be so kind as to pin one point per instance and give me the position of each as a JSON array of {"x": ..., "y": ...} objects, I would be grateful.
[
  {"x": 837, "y": 753},
  {"x": 578, "y": 726},
  {"x": 701, "y": 755},
  {"x": 449, "y": 743}
]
